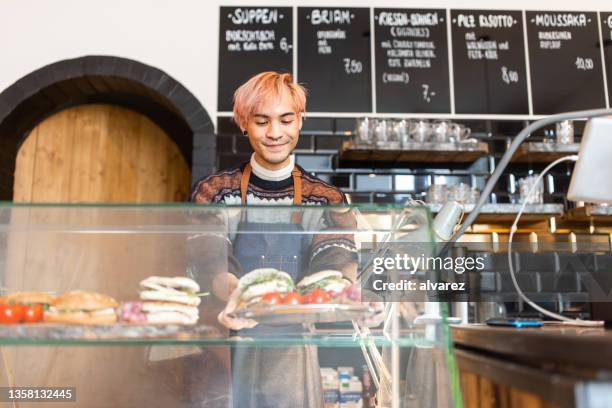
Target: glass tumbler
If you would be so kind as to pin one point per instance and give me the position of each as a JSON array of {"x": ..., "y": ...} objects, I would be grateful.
[
  {"x": 364, "y": 135},
  {"x": 441, "y": 131},
  {"x": 565, "y": 132},
  {"x": 525, "y": 184},
  {"x": 421, "y": 131},
  {"x": 402, "y": 132},
  {"x": 436, "y": 194},
  {"x": 461, "y": 193}
]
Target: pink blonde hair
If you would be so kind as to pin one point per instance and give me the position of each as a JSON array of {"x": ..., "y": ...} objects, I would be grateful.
[{"x": 262, "y": 86}]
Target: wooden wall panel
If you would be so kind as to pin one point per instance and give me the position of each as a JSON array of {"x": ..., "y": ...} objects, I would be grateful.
[
  {"x": 482, "y": 392},
  {"x": 103, "y": 154}
]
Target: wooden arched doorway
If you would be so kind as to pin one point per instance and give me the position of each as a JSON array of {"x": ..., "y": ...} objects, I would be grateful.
[{"x": 100, "y": 154}]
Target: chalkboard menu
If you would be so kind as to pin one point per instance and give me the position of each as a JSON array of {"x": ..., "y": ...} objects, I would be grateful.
[
  {"x": 252, "y": 40},
  {"x": 489, "y": 62},
  {"x": 565, "y": 61},
  {"x": 334, "y": 58},
  {"x": 606, "y": 36},
  {"x": 411, "y": 50}
]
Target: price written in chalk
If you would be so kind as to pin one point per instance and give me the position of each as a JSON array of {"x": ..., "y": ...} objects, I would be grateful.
[
  {"x": 284, "y": 45},
  {"x": 584, "y": 64},
  {"x": 427, "y": 93},
  {"x": 352, "y": 66},
  {"x": 509, "y": 76}
]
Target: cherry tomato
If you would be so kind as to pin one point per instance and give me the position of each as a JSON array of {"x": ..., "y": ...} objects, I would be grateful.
[
  {"x": 292, "y": 298},
  {"x": 11, "y": 314},
  {"x": 319, "y": 296},
  {"x": 32, "y": 313},
  {"x": 272, "y": 298}
]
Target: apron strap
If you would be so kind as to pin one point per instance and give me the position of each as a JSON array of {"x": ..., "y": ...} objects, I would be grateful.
[
  {"x": 244, "y": 183},
  {"x": 296, "y": 216}
]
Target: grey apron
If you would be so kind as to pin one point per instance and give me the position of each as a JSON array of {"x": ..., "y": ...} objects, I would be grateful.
[{"x": 265, "y": 377}]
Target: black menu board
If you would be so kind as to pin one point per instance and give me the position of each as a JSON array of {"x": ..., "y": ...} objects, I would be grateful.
[
  {"x": 252, "y": 40},
  {"x": 334, "y": 58},
  {"x": 411, "y": 48},
  {"x": 565, "y": 61},
  {"x": 489, "y": 62},
  {"x": 606, "y": 36}
]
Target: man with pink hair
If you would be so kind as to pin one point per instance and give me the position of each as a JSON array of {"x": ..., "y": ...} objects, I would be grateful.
[{"x": 269, "y": 110}]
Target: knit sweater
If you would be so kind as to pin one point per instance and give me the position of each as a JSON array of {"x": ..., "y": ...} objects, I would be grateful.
[{"x": 327, "y": 250}]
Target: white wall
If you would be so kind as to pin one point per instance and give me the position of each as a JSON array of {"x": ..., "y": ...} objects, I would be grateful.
[{"x": 179, "y": 37}]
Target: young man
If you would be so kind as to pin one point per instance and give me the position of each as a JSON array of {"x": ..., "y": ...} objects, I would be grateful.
[{"x": 269, "y": 110}]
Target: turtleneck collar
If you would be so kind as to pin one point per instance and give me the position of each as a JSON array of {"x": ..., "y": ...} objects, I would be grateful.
[{"x": 272, "y": 175}]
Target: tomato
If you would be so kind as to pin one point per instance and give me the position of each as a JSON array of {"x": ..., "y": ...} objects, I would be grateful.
[
  {"x": 33, "y": 313},
  {"x": 272, "y": 298},
  {"x": 318, "y": 296},
  {"x": 292, "y": 298},
  {"x": 10, "y": 314}
]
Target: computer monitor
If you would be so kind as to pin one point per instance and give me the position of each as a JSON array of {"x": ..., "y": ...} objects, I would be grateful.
[{"x": 592, "y": 176}]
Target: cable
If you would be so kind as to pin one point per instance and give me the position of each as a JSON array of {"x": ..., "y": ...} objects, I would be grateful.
[
  {"x": 567, "y": 320},
  {"x": 503, "y": 163}
]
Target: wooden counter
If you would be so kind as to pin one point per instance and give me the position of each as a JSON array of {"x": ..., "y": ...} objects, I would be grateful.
[{"x": 553, "y": 366}]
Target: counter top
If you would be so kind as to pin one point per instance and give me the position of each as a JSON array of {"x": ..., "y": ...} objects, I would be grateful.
[{"x": 558, "y": 344}]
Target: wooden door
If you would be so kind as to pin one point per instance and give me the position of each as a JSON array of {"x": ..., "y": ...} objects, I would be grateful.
[{"x": 100, "y": 154}]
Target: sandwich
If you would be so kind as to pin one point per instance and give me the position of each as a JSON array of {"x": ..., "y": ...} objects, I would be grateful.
[
  {"x": 328, "y": 280},
  {"x": 30, "y": 298},
  {"x": 170, "y": 313},
  {"x": 177, "y": 289},
  {"x": 258, "y": 282},
  {"x": 164, "y": 300},
  {"x": 80, "y": 307}
]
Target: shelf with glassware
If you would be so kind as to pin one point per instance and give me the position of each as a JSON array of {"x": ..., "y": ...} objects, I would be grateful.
[
  {"x": 554, "y": 146},
  {"x": 535, "y": 210},
  {"x": 507, "y": 212},
  {"x": 405, "y": 140}
]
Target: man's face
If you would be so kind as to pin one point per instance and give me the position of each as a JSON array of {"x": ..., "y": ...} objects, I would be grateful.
[{"x": 273, "y": 131}]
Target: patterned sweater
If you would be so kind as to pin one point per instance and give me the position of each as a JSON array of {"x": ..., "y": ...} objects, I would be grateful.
[{"x": 328, "y": 250}]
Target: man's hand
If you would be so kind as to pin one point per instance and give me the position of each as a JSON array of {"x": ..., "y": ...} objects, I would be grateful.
[
  {"x": 377, "y": 317},
  {"x": 226, "y": 318},
  {"x": 375, "y": 302},
  {"x": 223, "y": 285}
]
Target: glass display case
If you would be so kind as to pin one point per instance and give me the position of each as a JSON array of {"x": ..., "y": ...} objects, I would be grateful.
[{"x": 110, "y": 249}]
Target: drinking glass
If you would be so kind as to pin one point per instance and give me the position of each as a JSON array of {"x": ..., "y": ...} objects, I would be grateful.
[
  {"x": 436, "y": 194},
  {"x": 382, "y": 133},
  {"x": 421, "y": 131},
  {"x": 441, "y": 131},
  {"x": 458, "y": 133},
  {"x": 401, "y": 129},
  {"x": 525, "y": 185},
  {"x": 460, "y": 193},
  {"x": 393, "y": 137},
  {"x": 565, "y": 132},
  {"x": 364, "y": 135}
]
